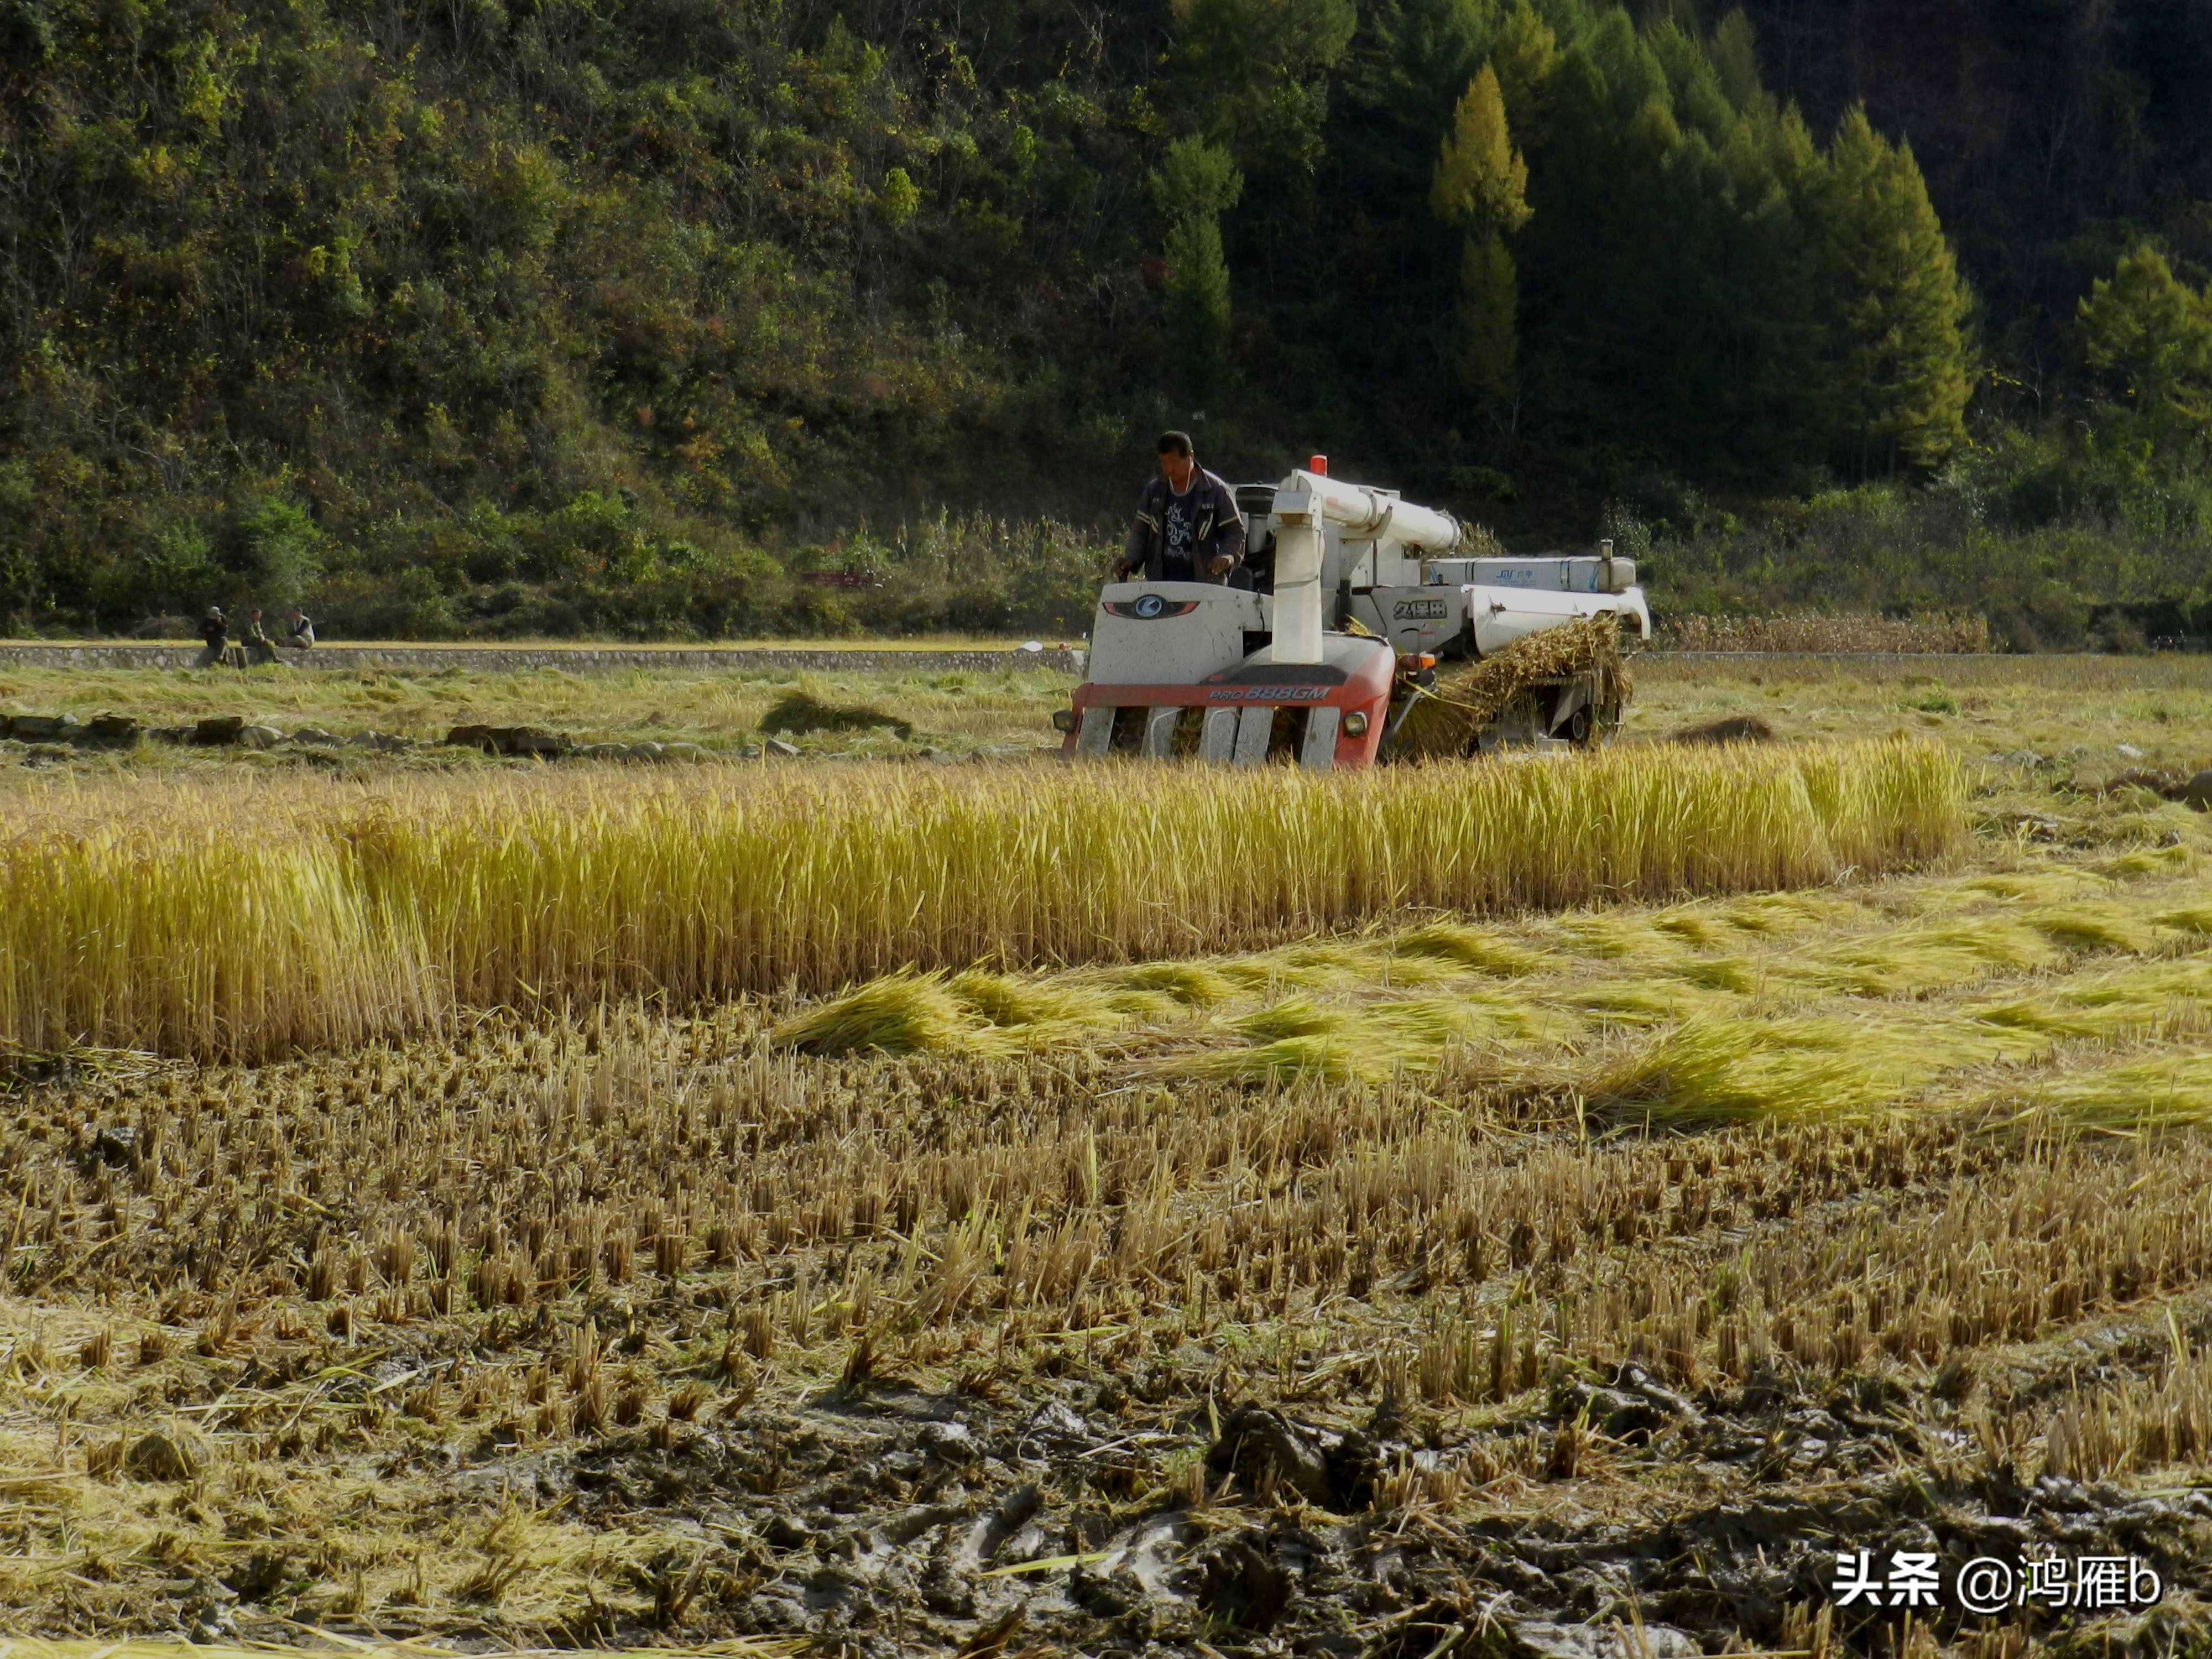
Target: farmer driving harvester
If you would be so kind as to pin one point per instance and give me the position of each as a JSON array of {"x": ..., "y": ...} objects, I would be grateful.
[
  {"x": 1188, "y": 527},
  {"x": 1335, "y": 663}
]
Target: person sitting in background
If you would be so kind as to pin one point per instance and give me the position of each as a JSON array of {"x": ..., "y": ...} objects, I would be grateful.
[
  {"x": 302, "y": 635},
  {"x": 216, "y": 634},
  {"x": 259, "y": 647}
]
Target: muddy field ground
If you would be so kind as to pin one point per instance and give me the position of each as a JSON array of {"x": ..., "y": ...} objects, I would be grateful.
[{"x": 1706, "y": 1243}]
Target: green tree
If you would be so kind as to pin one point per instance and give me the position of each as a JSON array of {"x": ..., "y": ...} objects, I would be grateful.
[
  {"x": 1896, "y": 361},
  {"x": 1524, "y": 52},
  {"x": 1489, "y": 306},
  {"x": 899, "y": 199},
  {"x": 1480, "y": 184},
  {"x": 1735, "y": 55},
  {"x": 2152, "y": 333},
  {"x": 1195, "y": 184},
  {"x": 1256, "y": 73},
  {"x": 1196, "y": 179},
  {"x": 1198, "y": 304}
]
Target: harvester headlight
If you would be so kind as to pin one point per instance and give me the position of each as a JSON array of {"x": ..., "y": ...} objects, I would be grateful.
[
  {"x": 1355, "y": 726},
  {"x": 1063, "y": 719}
]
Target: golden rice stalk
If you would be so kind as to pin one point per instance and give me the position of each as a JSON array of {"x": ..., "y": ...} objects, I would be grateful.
[
  {"x": 1717, "y": 1069},
  {"x": 1469, "y": 947},
  {"x": 2168, "y": 1091},
  {"x": 1299, "y": 1039},
  {"x": 244, "y": 922},
  {"x": 1060, "y": 1013},
  {"x": 2166, "y": 998},
  {"x": 1293, "y": 1016},
  {"x": 970, "y": 1013},
  {"x": 901, "y": 1014},
  {"x": 1310, "y": 1057},
  {"x": 2134, "y": 1423},
  {"x": 1917, "y": 961},
  {"x": 1193, "y": 985},
  {"x": 1722, "y": 1068}
]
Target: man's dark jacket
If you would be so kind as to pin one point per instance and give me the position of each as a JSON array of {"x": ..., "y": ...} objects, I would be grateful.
[{"x": 1219, "y": 528}]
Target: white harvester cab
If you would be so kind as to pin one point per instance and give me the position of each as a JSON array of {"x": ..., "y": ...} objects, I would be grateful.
[{"x": 1233, "y": 674}]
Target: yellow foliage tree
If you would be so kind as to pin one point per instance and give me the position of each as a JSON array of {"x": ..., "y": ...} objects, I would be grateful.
[{"x": 1480, "y": 182}]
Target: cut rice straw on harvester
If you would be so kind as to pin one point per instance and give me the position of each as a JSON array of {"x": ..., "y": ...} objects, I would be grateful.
[{"x": 1470, "y": 695}]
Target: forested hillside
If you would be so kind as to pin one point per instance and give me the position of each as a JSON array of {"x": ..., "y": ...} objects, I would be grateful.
[{"x": 538, "y": 316}]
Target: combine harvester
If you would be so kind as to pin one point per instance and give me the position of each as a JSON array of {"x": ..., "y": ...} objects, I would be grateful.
[{"x": 1244, "y": 677}]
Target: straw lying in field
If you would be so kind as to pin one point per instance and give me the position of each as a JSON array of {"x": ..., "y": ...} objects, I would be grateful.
[
  {"x": 246, "y": 921},
  {"x": 1689, "y": 1016},
  {"x": 2166, "y": 1091},
  {"x": 972, "y": 1014},
  {"x": 1725, "y": 1068},
  {"x": 1716, "y": 1065}
]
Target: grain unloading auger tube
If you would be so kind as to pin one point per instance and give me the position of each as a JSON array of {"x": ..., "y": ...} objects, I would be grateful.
[{"x": 1327, "y": 657}]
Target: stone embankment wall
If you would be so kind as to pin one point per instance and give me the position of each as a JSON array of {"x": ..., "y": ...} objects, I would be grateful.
[{"x": 572, "y": 659}]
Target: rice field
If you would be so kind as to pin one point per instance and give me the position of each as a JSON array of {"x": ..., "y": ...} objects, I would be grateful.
[
  {"x": 1971, "y": 702},
  {"x": 248, "y": 922},
  {"x": 1539, "y": 1209}
]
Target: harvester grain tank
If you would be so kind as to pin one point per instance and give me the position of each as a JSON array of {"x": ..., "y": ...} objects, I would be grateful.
[{"x": 1361, "y": 594}]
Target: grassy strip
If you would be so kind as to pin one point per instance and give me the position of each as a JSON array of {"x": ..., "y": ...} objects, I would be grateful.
[{"x": 244, "y": 922}]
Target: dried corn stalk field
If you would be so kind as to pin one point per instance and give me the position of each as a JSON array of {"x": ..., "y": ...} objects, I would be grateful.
[{"x": 1537, "y": 1272}]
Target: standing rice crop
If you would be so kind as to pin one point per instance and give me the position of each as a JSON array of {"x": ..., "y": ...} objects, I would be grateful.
[{"x": 244, "y": 922}]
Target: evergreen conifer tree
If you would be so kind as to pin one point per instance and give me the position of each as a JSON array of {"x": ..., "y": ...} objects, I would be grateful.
[
  {"x": 1197, "y": 182},
  {"x": 1489, "y": 342},
  {"x": 1524, "y": 51},
  {"x": 1198, "y": 302},
  {"x": 1735, "y": 55},
  {"x": 2152, "y": 333},
  {"x": 1258, "y": 71},
  {"x": 1896, "y": 384}
]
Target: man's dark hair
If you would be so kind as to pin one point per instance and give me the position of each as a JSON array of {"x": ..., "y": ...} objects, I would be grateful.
[{"x": 1173, "y": 443}]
